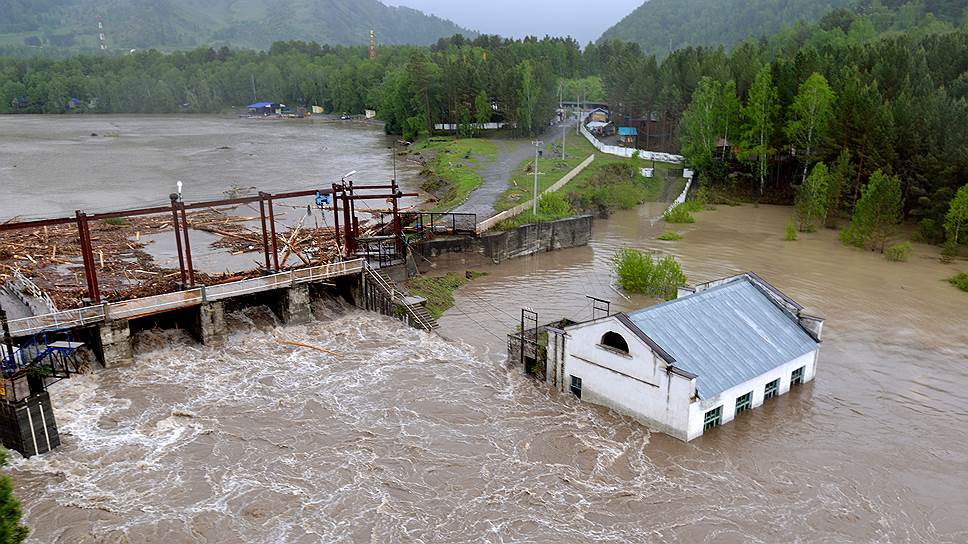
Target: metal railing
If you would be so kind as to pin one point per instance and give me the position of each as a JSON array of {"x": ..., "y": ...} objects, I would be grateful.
[
  {"x": 182, "y": 299},
  {"x": 397, "y": 297}
]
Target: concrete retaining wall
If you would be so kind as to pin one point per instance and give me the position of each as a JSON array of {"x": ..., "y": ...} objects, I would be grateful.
[
  {"x": 524, "y": 240},
  {"x": 488, "y": 224}
]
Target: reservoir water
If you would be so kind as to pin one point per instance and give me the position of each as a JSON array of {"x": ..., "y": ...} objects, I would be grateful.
[{"x": 393, "y": 435}]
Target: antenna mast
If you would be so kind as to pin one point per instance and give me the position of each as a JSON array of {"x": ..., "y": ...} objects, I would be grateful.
[{"x": 100, "y": 34}]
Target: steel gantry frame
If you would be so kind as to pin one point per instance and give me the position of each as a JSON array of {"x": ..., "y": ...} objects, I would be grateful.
[{"x": 344, "y": 191}]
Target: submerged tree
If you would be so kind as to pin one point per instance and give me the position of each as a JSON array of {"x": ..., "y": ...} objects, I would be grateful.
[
  {"x": 810, "y": 116},
  {"x": 956, "y": 221},
  {"x": 877, "y": 213},
  {"x": 759, "y": 113},
  {"x": 812, "y": 198},
  {"x": 640, "y": 272},
  {"x": 840, "y": 176}
]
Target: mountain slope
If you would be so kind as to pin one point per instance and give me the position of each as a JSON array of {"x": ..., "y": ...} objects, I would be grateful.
[
  {"x": 657, "y": 24},
  {"x": 663, "y": 25},
  {"x": 176, "y": 24}
]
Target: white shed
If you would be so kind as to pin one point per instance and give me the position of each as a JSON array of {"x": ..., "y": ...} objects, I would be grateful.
[{"x": 693, "y": 363}]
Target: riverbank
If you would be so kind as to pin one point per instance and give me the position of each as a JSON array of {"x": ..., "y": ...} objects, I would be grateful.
[{"x": 888, "y": 380}]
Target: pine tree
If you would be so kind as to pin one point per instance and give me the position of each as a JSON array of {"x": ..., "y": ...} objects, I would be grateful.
[{"x": 877, "y": 213}]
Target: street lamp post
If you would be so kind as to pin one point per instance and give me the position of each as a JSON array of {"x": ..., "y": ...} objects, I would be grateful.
[{"x": 538, "y": 144}]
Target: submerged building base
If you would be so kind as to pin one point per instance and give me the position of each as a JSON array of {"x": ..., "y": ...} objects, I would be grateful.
[{"x": 28, "y": 426}]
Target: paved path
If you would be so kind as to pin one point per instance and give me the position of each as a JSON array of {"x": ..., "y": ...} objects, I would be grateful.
[
  {"x": 12, "y": 305},
  {"x": 497, "y": 173}
]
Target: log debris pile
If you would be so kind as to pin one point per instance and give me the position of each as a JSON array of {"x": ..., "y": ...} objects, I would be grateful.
[{"x": 51, "y": 256}]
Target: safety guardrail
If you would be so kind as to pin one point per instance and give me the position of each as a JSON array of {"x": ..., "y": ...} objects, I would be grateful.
[{"x": 182, "y": 299}]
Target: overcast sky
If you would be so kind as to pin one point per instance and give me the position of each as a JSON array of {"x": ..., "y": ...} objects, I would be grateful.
[{"x": 516, "y": 18}]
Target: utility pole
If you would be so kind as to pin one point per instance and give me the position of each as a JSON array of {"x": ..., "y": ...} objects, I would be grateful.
[
  {"x": 537, "y": 153},
  {"x": 564, "y": 130},
  {"x": 254, "y": 97}
]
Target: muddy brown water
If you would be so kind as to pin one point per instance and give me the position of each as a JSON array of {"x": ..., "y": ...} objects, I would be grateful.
[
  {"x": 55, "y": 164},
  {"x": 400, "y": 436}
]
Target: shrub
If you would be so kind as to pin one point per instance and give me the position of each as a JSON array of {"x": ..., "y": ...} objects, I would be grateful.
[
  {"x": 639, "y": 272},
  {"x": 116, "y": 222},
  {"x": 929, "y": 231},
  {"x": 791, "y": 232},
  {"x": 960, "y": 281},
  {"x": 678, "y": 214},
  {"x": 669, "y": 236},
  {"x": 553, "y": 206},
  {"x": 11, "y": 531},
  {"x": 898, "y": 252}
]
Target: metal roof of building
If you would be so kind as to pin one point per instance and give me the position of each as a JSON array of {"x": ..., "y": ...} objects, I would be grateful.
[{"x": 725, "y": 335}]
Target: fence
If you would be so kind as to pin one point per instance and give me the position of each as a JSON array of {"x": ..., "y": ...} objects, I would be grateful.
[
  {"x": 183, "y": 299},
  {"x": 627, "y": 152},
  {"x": 29, "y": 294},
  {"x": 475, "y": 126},
  {"x": 488, "y": 224}
]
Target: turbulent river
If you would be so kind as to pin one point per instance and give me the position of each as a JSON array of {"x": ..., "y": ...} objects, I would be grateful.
[{"x": 387, "y": 434}]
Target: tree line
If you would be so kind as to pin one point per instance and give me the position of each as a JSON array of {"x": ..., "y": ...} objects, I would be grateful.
[
  {"x": 851, "y": 92},
  {"x": 884, "y": 111}
]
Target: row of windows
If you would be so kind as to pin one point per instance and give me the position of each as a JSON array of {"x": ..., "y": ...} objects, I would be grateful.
[{"x": 714, "y": 417}]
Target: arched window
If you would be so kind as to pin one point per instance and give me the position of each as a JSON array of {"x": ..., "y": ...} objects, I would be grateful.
[{"x": 615, "y": 341}]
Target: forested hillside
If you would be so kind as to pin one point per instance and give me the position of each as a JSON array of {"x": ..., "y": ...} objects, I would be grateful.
[
  {"x": 663, "y": 25},
  {"x": 851, "y": 91},
  {"x": 182, "y": 24}
]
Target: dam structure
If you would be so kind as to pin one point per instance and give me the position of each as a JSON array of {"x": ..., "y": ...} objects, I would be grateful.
[{"x": 348, "y": 261}]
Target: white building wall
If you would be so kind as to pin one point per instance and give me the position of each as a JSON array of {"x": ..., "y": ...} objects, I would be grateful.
[
  {"x": 727, "y": 399},
  {"x": 638, "y": 385}
]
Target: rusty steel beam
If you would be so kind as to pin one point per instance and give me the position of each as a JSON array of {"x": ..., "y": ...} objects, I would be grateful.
[
  {"x": 381, "y": 197},
  {"x": 87, "y": 255},
  {"x": 265, "y": 230},
  {"x": 272, "y": 232},
  {"x": 154, "y": 210},
  {"x": 178, "y": 240},
  {"x": 336, "y": 220},
  {"x": 188, "y": 248}
]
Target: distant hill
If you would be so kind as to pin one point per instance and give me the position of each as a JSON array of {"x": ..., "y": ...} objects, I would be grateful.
[
  {"x": 658, "y": 25},
  {"x": 182, "y": 24}
]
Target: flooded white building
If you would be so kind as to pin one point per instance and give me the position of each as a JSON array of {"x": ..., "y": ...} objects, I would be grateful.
[{"x": 691, "y": 364}]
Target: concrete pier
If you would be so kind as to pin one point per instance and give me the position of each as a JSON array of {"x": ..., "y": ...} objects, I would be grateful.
[
  {"x": 210, "y": 328},
  {"x": 114, "y": 347},
  {"x": 294, "y": 305}
]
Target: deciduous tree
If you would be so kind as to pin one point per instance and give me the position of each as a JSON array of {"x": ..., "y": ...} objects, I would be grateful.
[
  {"x": 759, "y": 115},
  {"x": 810, "y": 116}
]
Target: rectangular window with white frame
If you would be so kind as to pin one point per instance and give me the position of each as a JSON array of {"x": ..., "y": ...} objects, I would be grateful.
[{"x": 797, "y": 377}]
